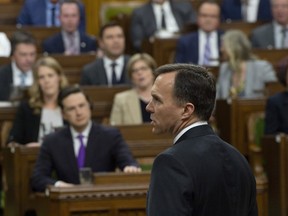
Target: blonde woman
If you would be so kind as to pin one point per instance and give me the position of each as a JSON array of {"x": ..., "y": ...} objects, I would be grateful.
[
  {"x": 129, "y": 106},
  {"x": 40, "y": 115},
  {"x": 241, "y": 74}
]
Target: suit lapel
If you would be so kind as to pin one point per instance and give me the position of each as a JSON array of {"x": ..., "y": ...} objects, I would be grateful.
[
  {"x": 83, "y": 43},
  {"x": 151, "y": 17},
  {"x": 70, "y": 153},
  {"x": 102, "y": 72},
  {"x": 93, "y": 139}
]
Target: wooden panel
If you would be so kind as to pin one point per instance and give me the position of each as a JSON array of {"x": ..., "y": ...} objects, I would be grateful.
[
  {"x": 275, "y": 152},
  {"x": 94, "y": 19},
  {"x": 232, "y": 116},
  {"x": 9, "y": 13},
  {"x": 40, "y": 33}
]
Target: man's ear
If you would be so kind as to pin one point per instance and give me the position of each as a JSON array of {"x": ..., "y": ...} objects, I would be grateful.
[{"x": 188, "y": 110}]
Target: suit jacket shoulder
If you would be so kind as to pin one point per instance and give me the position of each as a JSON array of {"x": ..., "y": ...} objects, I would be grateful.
[
  {"x": 126, "y": 108},
  {"x": 259, "y": 41},
  {"x": 94, "y": 73},
  {"x": 6, "y": 80},
  {"x": 54, "y": 44}
]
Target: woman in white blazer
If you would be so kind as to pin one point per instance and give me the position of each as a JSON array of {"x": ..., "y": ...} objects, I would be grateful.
[
  {"x": 129, "y": 106},
  {"x": 241, "y": 74}
]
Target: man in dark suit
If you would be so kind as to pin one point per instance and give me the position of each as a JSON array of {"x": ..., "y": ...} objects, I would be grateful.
[
  {"x": 150, "y": 18},
  {"x": 19, "y": 72},
  {"x": 69, "y": 41},
  {"x": 46, "y": 13},
  {"x": 202, "y": 47},
  {"x": 200, "y": 174},
  {"x": 273, "y": 35},
  {"x": 82, "y": 144},
  {"x": 111, "y": 69},
  {"x": 245, "y": 10}
]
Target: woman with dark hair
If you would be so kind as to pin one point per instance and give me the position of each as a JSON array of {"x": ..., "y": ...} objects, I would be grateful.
[
  {"x": 40, "y": 115},
  {"x": 276, "y": 113}
]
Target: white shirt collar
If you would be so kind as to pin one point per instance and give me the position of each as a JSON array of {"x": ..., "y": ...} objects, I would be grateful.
[
  {"x": 184, "y": 130},
  {"x": 85, "y": 132}
]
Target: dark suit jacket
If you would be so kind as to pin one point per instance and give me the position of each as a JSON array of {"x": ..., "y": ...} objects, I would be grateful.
[
  {"x": 259, "y": 41},
  {"x": 231, "y": 10},
  {"x": 94, "y": 73},
  {"x": 34, "y": 13},
  {"x": 6, "y": 79},
  {"x": 201, "y": 175},
  {"x": 187, "y": 50},
  {"x": 276, "y": 114},
  {"x": 105, "y": 151},
  {"x": 143, "y": 21},
  {"x": 25, "y": 126},
  {"x": 55, "y": 44}
]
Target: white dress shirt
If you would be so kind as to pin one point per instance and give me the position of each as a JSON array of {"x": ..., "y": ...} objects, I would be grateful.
[
  {"x": 84, "y": 133},
  {"x": 251, "y": 10},
  {"x": 118, "y": 68},
  {"x": 171, "y": 24},
  {"x": 213, "y": 48},
  {"x": 17, "y": 76},
  {"x": 5, "y": 46}
]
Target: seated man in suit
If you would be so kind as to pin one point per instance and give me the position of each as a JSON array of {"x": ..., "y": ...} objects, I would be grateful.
[
  {"x": 111, "y": 69},
  {"x": 202, "y": 47},
  {"x": 45, "y": 13},
  {"x": 81, "y": 144},
  {"x": 274, "y": 34},
  {"x": 18, "y": 73},
  {"x": 157, "y": 15},
  {"x": 70, "y": 41},
  {"x": 246, "y": 10}
]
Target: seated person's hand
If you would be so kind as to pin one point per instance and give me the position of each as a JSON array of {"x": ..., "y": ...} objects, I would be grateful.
[
  {"x": 33, "y": 144},
  {"x": 63, "y": 184},
  {"x": 132, "y": 169}
]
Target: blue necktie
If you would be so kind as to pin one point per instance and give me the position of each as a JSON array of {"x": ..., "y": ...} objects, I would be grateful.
[
  {"x": 53, "y": 16},
  {"x": 81, "y": 152},
  {"x": 22, "y": 79},
  {"x": 207, "y": 51}
]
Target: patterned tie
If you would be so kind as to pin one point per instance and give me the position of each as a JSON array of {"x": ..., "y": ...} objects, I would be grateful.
[
  {"x": 114, "y": 78},
  {"x": 72, "y": 49},
  {"x": 207, "y": 51},
  {"x": 22, "y": 79},
  {"x": 284, "y": 38},
  {"x": 163, "y": 22},
  {"x": 81, "y": 152}
]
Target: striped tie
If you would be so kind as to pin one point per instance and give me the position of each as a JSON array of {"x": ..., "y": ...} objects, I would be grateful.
[{"x": 207, "y": 51}]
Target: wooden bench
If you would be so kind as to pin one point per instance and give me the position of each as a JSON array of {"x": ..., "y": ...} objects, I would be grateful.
[
  {"x": 72, "y": 65},
  {"x": 232, "y": 117},
  {"x": 40, "y": 33}
]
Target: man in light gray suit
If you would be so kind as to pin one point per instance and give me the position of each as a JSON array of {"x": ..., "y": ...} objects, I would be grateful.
[
  {"x": 148, "y": 19},
  {"x": 273, "y": 35},
  {"x": 111, "y": 68}
]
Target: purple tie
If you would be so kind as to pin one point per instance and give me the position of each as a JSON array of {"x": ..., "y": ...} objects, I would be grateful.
[
  {"x": 207, "y": 51},
  {"x": 81, "y": 152}
]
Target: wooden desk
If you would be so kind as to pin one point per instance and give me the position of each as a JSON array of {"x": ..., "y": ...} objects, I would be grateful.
[
  {"x": 275, "y": 155},
  {"x": 232, "y": 119},
  {"x": 113, "y": 193}
]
